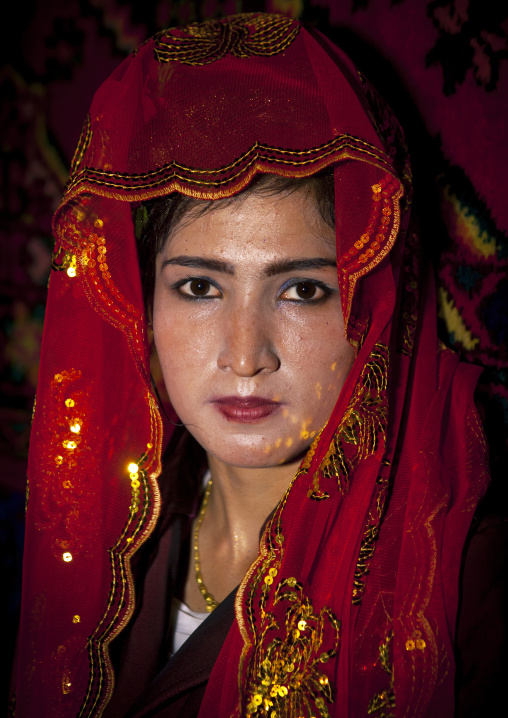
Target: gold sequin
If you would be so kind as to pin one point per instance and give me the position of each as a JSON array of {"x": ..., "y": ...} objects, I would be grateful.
[
  {"x": 67, "y": 556},
  {"x": 66, "y": 684},
  {"x": 286, "y": 666},
  {"x": 76, "y": 619},
  {"x": 416, "y": 642}
]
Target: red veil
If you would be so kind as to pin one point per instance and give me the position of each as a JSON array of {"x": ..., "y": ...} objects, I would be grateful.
[{"x": 351, "y": 605}]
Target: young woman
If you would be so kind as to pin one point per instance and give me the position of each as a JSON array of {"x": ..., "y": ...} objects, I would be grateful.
[{"x": 288, "y": 541}]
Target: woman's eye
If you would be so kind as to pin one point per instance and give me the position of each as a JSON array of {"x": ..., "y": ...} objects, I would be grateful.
[
  {"x": 198, "y": 288},
  {"x": 303, "y": 291}
]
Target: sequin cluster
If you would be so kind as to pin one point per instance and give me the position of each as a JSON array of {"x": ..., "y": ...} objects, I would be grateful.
[
  {"x": 374, "y": 236},
  {"x": 376, "y": 241},
  {"x": 239, "y": 35},
  {"x": 66, "y": 477},
  {"x": 69, "y": 254},
  {"x": 111, "y": 303},
  {"x": 287, "y": 643},
  {"x": 83, "y": 250},
  {"x": 63, "y": 260},
  {"x": 138, "y": 476},
  {"x": 286, "y": 676},
  {"x": 83, "y": 243}
]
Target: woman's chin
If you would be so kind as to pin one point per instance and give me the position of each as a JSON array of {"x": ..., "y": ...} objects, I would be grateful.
[{"x": 258, "y": 457}]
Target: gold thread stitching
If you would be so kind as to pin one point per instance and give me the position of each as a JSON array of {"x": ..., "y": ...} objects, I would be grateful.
[
  {"x": 258, "y": 152},
  {"x": 284, "y": 674},
  {"x": 383, "y": 703},
  {"x": 240, "y": 35},
  {"x": 359, "y": 431}
]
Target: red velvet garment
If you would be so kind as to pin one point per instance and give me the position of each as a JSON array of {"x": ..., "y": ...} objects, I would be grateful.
[{"x": 351, "y": 605}]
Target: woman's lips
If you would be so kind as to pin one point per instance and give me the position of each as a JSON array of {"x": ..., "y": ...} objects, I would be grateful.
[{"x": 245, "y": 409}]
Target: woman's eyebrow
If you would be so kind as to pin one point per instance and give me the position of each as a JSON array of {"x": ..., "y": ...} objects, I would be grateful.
[
  {"x": 290, "y": 265},
  {"x": 215, "y": 265},
  {"x": 277, "y": 267}
]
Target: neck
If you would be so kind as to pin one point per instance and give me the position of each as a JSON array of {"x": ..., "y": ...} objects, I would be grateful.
[
  {"x": 239, "y": 503},
  {"x": 242, "y": 499}
]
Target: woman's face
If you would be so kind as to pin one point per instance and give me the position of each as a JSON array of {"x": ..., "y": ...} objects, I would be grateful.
[{"x": 248, "y": 327}]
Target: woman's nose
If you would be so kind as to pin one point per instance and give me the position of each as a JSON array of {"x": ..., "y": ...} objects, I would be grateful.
[{"x": 248, "y": 347}]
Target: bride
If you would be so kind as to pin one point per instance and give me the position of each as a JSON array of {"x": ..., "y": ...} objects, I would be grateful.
[{"x": 281, "y": 535}]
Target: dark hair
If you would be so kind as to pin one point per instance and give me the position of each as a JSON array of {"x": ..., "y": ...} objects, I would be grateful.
[{"x": 155, "y": 220}]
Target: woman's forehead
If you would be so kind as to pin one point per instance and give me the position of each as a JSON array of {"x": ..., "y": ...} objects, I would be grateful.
[{"x": 286, "y": 224}]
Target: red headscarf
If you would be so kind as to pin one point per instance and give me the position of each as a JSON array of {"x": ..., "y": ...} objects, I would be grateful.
[{"x": 351, "y": 604}]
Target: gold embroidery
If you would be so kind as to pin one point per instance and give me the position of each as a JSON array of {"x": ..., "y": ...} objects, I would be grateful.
[
  {"x": 285, "y": 675},
  {"x": 416, "y": 642},
  {"x": 370, "y": 535},
  {"x": 358, "y": 433},
  {"x": 142, "y": 518},
  {"x": 83, "y": 234},
  {"x": 225, "y": 181},
  {"x": 383, "y": 703},
  {"x": 84, "y": 141},
  {"x": 239, "y": 35},
  {"x": 381, "y": 233},
  {"x": 63, "y": 260},
  {"x": 66, "y": 683}
]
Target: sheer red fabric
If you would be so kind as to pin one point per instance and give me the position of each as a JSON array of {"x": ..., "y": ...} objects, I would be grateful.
[{"x": 351, "y": 604}]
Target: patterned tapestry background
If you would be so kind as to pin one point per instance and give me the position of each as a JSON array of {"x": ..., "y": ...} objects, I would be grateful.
[{"x": 441, "y": 64}]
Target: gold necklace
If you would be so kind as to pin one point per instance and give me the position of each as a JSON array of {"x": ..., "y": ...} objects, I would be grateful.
[{"x": 211, "y": 603}]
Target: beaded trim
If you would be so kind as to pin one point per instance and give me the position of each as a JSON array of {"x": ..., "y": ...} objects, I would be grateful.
[{"x": 227, "y": 180}]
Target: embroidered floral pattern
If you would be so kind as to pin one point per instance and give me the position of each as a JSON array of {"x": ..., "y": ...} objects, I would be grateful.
[
  {"x": 371, "y": 533},
  {"x": 285, "y": 674},
  {"x": 382, "y": 704},
  {"x": 358, "y": 433},
  {"x": 241, "y": 36}
]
